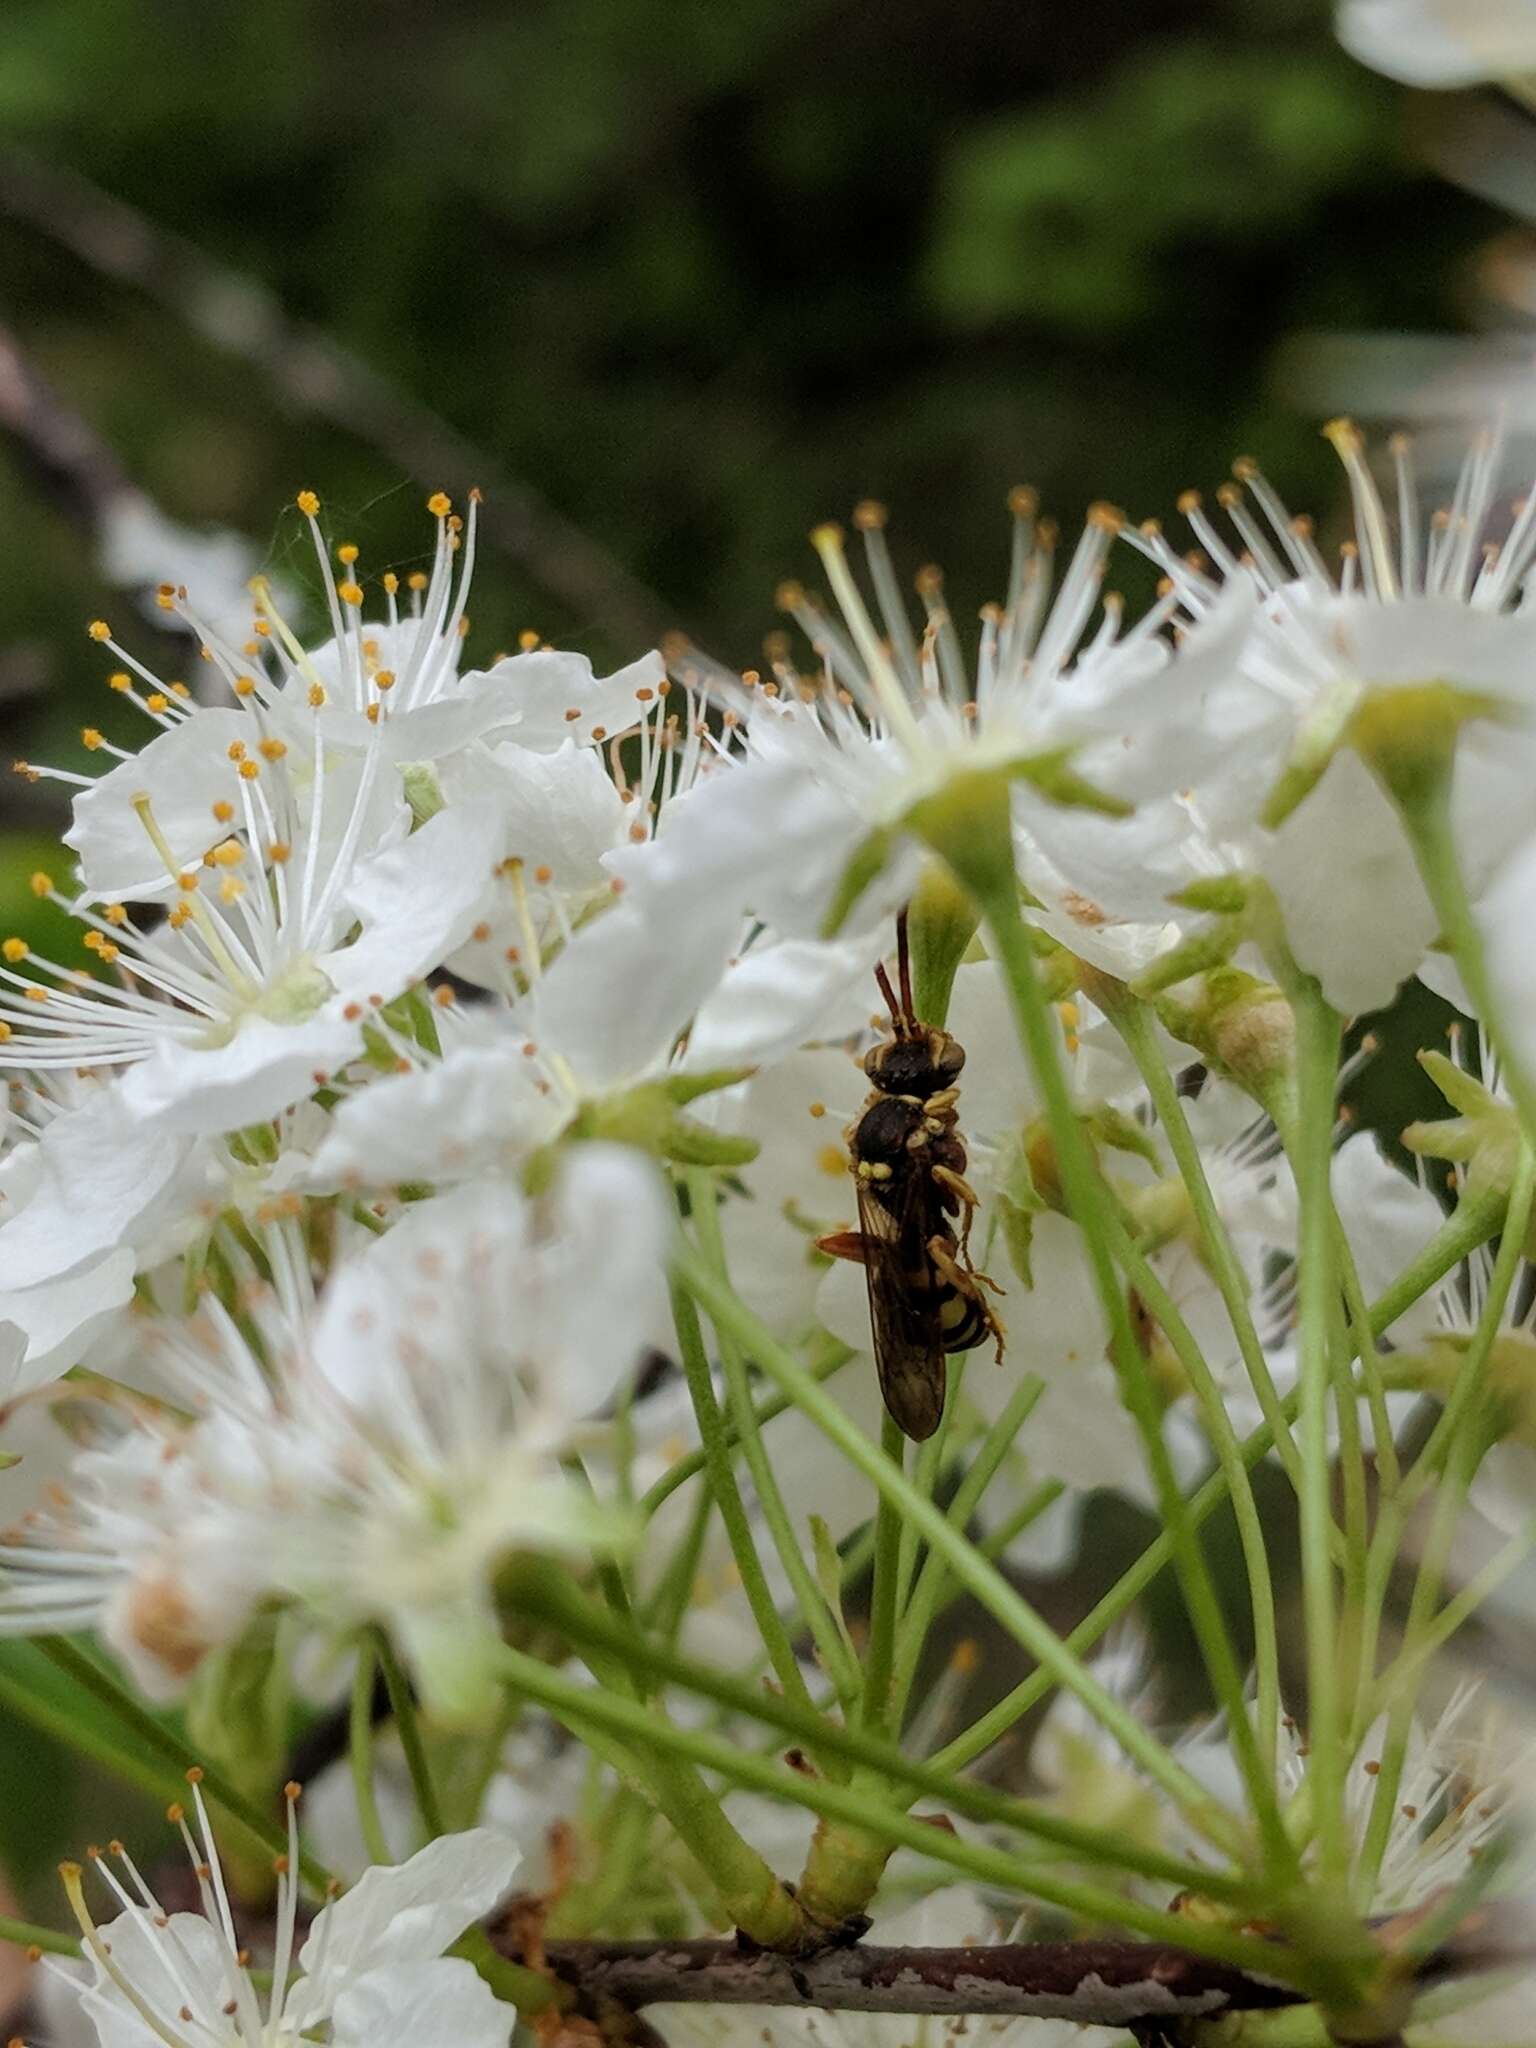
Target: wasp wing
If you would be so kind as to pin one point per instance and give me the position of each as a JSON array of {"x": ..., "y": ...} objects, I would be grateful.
[{"x": 905, "y": 1300}]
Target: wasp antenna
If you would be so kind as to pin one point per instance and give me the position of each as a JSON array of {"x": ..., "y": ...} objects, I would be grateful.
[
  {"x": 889, "y": 993},
  {"x": 904, "y": 969}
]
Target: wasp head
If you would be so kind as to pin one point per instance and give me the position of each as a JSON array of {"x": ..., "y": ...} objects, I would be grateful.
[{"x": 920, "y": 1065}]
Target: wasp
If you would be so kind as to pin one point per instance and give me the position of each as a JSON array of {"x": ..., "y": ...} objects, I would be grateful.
[{"x": 908, "y": 1162}]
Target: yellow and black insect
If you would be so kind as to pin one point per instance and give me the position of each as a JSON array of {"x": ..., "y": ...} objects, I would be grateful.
[{"x": 908, "y": 1161}]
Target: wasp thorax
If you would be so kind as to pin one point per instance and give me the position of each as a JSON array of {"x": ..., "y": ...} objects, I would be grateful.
[{"x": 918, "y": 1066}]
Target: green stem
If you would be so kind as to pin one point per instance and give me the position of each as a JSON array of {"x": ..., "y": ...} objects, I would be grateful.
[
  {"x": 830, "y": 1358},
  {"x": 553, "y": 1600},
  {"x": 24, "y": 1934},
  {"x": 637, "y": 1724},
  {"x": 1312, "y": 1162},
  {"x": 1131, "y": 1020},
  {"x": 923, "y": 1606},
  {"x": 1427, "y": 818},
  {"x": 143, "y": 1726},
  {"x": 1250, "y": 1528},
  {"x": 875, "y": 1704},
  {"x": 360, "y": 1755},
  {"x": 403, "y": 1708},
  {"x": 1090, "y": 1205},
  {"x": 1461, "y": 1429},
  {"x": 979, "y": 1578},
  {"x": 811, "y": 1606},
  {"x": 727, "y": 1494},
  {"x": 1471, "y": 1225}
]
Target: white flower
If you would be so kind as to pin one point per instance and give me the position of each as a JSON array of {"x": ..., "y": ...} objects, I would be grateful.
[
  {"x": 1441, "y": 42},
  {"x": 1419, "y": 602},
  {"x": 371, "y": 1973},
  {"x": 453, "y": 1364},
  {"x": 259, "y": 983},
  {"x": 890, "y": 720}
]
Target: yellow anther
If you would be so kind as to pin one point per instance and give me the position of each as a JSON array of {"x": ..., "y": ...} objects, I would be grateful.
[
  {"x": 119, "y": 680},
  {"x": 179, "y": 915},
  {"x": 307, "y": 503},
  {"x": 350, "y": 593},
  {"x": 417, "y": 580},
  {"x": 817, "y": 1108},
  {"x": 106, "y": 952},
  {"x": 90, "y": 737},
  {"x": 36, "y": 995},
  {"x": 272, "y": 750},
  {"x": 245, "y": 686},
  {"x": 228, "y": 854},
  {"x": 278, "y": 852},
  {"x": 316, "y": 696},
  {"x": 186, "y": 881},
  {"x": 93, "y": 942},
  {"x": 236, "y": 750},
  {"x": 832, "y": 1159},
  {"x": 165, "y": 600},
  {"x": 527, "y": 640},
  {"x": 14, "y": 950},
  {"x": 116, "y": 913},
  {"x": 439, "y": 504},
  {"x": 248, "y": 770},
  {"x": 42, "y": 883},
  {"x": 5, "y": 1032},
  {"x": 347, "y": 553},
  {"x": 178, "y": 689},
  {"x": 443, "y": 996},
  {"x": 372, "y": 714},
  {"x": 231, "y": 889},
  {"x": 385, "y": 679},
  {"x": 223, "y": 811},
  {"x": 391, "y": 582},
  {"x": 158, "y": 701},
  {"x": 99, "y": 630}
]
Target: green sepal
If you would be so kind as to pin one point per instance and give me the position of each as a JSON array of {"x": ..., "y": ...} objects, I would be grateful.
[
  {"x": 1211, "y": 947},
  {"x": 1222, "y": 895},
  {"x": 1054, "y": 776},
  {"x": 1406, "y": 735},
  {"x": 1122, "y": 1133},
  {"x": 865, "y": 864},
  {"x": 237, "y": 1706},
  {"x": 1463, "y": 1091},
  {"x": 423, "y": 792},
  {"x": 1322, "y": 733},
  {"x": 941, "y": 923},
  {"x": 707, "y": 1081},
  {"x": 8, "y": 1459}
]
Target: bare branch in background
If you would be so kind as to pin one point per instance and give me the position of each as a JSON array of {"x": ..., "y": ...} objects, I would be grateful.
[
  {"x": 1096, "y": 1983},
  {"x": 315, "y": 374}
]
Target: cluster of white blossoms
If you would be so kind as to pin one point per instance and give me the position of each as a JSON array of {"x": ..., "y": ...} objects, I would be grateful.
[{"x": 444, "y": 1230}]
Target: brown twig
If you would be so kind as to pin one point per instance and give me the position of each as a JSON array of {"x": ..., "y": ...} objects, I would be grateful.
[
  {"x": 1097, "y": 1983},
  {"x": 315, "y": 374}
]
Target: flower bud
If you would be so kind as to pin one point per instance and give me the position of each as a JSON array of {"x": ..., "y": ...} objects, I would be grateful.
[{"x": 1242, "y": 1027}]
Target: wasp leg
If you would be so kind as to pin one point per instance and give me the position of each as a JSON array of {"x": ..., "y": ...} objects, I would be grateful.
[
  {"x": 968, "y": 1282},
  {"x": 969, "y": 1201},
  {"x": 845, "y": 1244}
]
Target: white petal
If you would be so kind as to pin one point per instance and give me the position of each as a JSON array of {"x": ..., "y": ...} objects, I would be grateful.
[
  {"x": 45, "y": 1330},
  {"x": 475, "y": 1109},
  {"x": 1355, "y": 910},
  {"x": 262, "y": 1069},
  {"x": 421, "y": 2005},
  {"x": 1507, "y": 917},
  {"x": 417, "y": 902},
  {"x": 778, "y": 996},
  {"x": 543, "y": 687},
  {"x": 406, "y": 1912},
  {"x": 181, "y": 771},
  {"x": 1389, "y": 1219},
  {"x": 99, "y": 1173},
  {"x": 1441, "y": 43}
]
